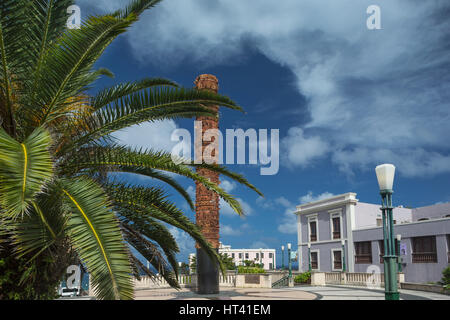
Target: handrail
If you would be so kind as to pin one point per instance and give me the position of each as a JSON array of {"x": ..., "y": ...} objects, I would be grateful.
[{"x": 283, "y": 282}]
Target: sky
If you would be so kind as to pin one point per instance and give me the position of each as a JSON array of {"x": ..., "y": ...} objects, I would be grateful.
[{"x": 345, "y": 98}]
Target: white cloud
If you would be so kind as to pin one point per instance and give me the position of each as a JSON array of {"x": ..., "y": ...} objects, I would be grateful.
[
  {"x": 288, "y": 223},
  {"x": 301, "y": 150},
  {"x": 185, "y": 243},
  {"x": 259, "y": 245},
  {"x": 155, "y": 135},
  {"x": 226, "y": 230},
  {"x": 412, "y": 162},
  {"x": 101, "y": 6},
  {"x": 283, "y": 201},
  {"x": 367, "y": 91},
  {"x": 273, "y": 204},
  {"x": 310, "y": 197},
  {"x": 226, "y": 210},
  {"x": 191, "y": 191},
  {"x": 227, "y": 185},
  {"x": 263, "y": 202}
]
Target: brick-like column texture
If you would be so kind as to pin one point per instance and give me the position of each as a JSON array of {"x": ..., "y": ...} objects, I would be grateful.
[{"x": 207, "y": 202}]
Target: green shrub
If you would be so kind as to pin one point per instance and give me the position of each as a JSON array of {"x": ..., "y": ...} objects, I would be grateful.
[
  {"x": 446, "y": 276},
  {"x": 242, "y": 269},
  {"x": 228, "y": 262},
  {"x": 22, "y": 279},
  {"x": 303, "y": 278}
]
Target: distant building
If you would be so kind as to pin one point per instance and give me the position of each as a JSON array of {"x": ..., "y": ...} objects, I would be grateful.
[
  {"x": 323, "y": 224},
  {"x": 266, "y": 257}
]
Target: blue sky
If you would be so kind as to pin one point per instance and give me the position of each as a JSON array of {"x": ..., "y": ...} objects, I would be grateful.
[{"x": 344, "y": 98}]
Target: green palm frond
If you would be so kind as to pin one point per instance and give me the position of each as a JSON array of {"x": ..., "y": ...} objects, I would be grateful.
[
  {"x": 47, "y": 20},
  {"x": 95, "y": 232},
  {"x": 150, "y": 252},
  {"x": 55, "y": 138},
  {"x": 12, "y": 63},
  {"x": 116, "y": 92},
  {"x": 159, "y": 175},
  {"x": 232, "y": 175},
  {"x": 136, "y": 7},
  {"x": 39, "y": 230},
  {"x": 155, "y": 103},
  {"x": 138, "y": 266},
  {"x": 152, "y": 202},
  {"x": 153, "y": 230},
  {"x": 66, "y": 69},
  {"x": 116, "y": 157},
  {"x": 24, "y": 169}
]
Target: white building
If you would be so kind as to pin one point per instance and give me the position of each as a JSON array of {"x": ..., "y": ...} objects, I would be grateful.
[
  {"x": 343, "y": 232},
  {"x": 266, "y": 257}
]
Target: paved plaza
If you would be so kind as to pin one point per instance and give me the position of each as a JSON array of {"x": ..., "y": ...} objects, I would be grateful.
[{"x": 296, "y": 293}]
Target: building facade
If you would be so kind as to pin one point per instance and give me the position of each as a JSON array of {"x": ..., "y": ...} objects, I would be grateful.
[
  {"x": 266, "y": 257},
  {"x": 343, "y": 232}
]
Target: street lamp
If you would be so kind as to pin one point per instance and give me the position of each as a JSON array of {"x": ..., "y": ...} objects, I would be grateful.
[
  {"x": 385, "y": 176},
  {"x": 343, "y": 255},
  {"x": 282, "y": 257},
  {"x": 399, "y": 238},
  {"x": 290, "y": 261},
  {"x": 309, "y": 257}
]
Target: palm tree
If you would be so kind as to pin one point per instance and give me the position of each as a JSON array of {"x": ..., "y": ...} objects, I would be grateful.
[{"x": 57, "y": 200}]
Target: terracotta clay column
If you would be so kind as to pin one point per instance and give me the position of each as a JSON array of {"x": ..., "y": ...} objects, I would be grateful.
[{"x": 207, "y": 202}]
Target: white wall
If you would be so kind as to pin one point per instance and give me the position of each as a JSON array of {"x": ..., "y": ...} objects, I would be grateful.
[{"x": 366, "y": 215}]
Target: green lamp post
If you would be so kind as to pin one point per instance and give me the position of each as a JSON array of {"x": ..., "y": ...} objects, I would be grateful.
[
  {"x": 282, "y": 257},
  {"x": 344, "y": 267},
  {"x": 385, "y": 176},
  {"x": 399, "y": 238},
  {"x": 309, "y": 257},
  {"x": 289, "y": 260}
]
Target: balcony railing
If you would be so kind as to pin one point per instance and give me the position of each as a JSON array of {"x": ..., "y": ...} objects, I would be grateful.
[
  {"x": 336, "y": 235},
  {"x": 314, "y": 265},
  {"x": 363, "y": 258},
  {"x": 424, "y": 257},
  {"x": 338, "y": 265},
  {"x": 313, "y": 238}
]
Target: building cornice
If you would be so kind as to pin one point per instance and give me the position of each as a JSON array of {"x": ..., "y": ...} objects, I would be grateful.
[
  {"x": 404, "y": 224},
  {"x": 326, "y": 204}
]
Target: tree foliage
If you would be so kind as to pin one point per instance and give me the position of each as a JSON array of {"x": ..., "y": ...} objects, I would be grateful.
[{"x": 58, "y": 203}]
